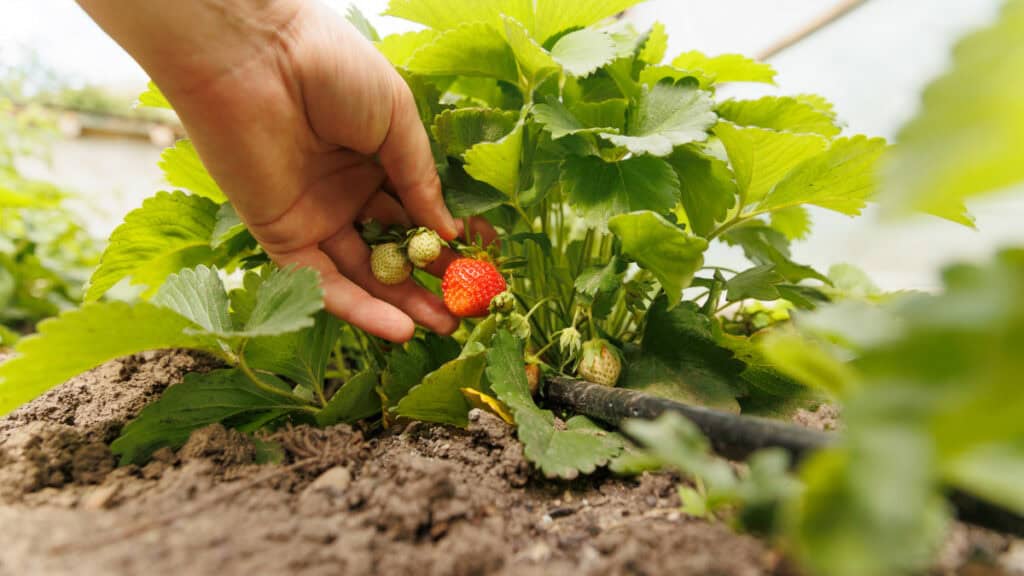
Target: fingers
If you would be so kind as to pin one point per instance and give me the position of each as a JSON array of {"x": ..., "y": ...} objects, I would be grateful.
[
  {"x": 348, "y": 301},
  {"x": 406, "y": 157},
  {"x": 352, "y": 257},
  {"x": 386, "y": 210}
]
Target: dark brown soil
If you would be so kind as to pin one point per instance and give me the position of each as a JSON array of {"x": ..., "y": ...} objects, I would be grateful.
[{"x": 422, "y": 500}]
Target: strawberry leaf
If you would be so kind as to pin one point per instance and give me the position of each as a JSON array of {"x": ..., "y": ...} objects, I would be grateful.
[
  {"x": 581, "y": 447},
  {"x": 197, "y": 294},
  {"x": 497, "y": 163},
  {"x": 201, "y": 400},
  {"x": 554, "y": 16},
  {"x": 171, "y": 231},
  {"x": 679, "y": 359},
  {"x": 665, "y": 116},
  {"x": 407, "y": 365},
  {"x": 561, "y": 122},
  {"x": 439, "y": 397},
  {"x": 467, "y": 196},
  {"x": 841, "y": 179},
  {"x": 600, "y": 190},
  {"x": 153, "y": 97},
  {"x": 535, "y": 63},
  {"x": 966, "y": 141},
  {"x": 299, "y": 356},
  {"x": 726, "y": 67},
  {"x": 470, "y": 50},
  {"x": 794, "y": 222},
  {"x": 582, "y": 52},
  {"x": 459, "y": 130},
  {"x": 355, "y": 400},
  {"x": 671, "y": 254},
  {"x": 707, "y": 188},
  {"x": 399, "y": 48},
  {"x": 760, "y": 158},
  {"x": 183, "y": 168},
  {"x": 764, "y": 245},
  {"x": 82, "y": 339},
  {"x": 784, "y": 113},
  {"x": 760, "y": 283},
  {"x": 655, "y": 45}
]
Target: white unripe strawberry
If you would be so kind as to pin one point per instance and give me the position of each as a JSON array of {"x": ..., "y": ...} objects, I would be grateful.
[
  {"x": 600, "y": 362},
  {"x": 389, "y": 264},
  {"x": 424, "y": 247}
]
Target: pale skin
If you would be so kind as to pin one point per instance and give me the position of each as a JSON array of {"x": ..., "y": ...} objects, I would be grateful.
[{"x": 307, "y": 129}]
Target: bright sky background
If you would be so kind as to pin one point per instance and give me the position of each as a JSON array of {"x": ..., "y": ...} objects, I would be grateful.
[{"x": 872, "y": 65}]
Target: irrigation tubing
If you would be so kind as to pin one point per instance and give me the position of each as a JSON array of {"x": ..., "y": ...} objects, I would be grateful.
[{"x": 736, "y": 436}]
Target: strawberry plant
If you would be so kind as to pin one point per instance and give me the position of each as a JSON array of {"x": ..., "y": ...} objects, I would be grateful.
[{"x": 606, "y": 170}]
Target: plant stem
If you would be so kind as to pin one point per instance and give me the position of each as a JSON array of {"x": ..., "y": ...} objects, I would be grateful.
[{"x": 243, "y": 365}]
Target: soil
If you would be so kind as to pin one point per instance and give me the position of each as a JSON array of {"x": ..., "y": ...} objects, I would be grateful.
[{"x": 422, "y": 499}]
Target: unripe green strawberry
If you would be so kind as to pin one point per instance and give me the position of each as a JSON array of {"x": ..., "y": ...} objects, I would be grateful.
[
  {"x": 600, "y": 362},
  {"x": 469, "y": 285},
  {"x": 424, "y": 247},
  {"x": 389, "y": 264}
]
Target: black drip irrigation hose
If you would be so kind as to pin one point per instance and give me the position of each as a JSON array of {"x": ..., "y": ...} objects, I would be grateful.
[{"x": 735, "y": 436}]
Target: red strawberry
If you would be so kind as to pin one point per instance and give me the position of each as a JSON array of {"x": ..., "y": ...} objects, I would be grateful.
[{"x": 469, "y": 285}]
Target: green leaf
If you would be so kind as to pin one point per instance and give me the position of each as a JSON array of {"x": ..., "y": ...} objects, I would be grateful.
[
  {"x": 666, "y": 115},
  {"x": 582, "y": 52},
  {"x": 201, "y": 400},
  {"x": 653, "y": 51},
  {"x": 726, "y": 67},
  {"x": 407, "y": 365},
  {"x": 760, "y": 158},
  {"x": 467, "y": 196},
  {"x": 448, "y": 14},
  {"x": 299, "y": 356},
  {"x": 82, "y": 339},
  {"x": 497, "y": 163},
  {"x": 759, "y": 283},
  {"x": 459, "y": 130},
  {"x": 794, "y": 222},
  {"x": 171, "y": 231},
  {"x": 581, "y": 447},
  {"x": 535, "y": 63},
  {"x": 680, "y": 359},
  {"x": 707, "y": 186},
  {"x": 554, "y": 16},
  {"x": 472, "y": 49},
  {"x": 602, "y": 283},
  {"x": 600, "y": 190},
  {"x": 357, "y": 19},
  {"x": 153, "y": 98},
  {"x": 286, "y": 302},
  {"x": 228, "y": 225},
  {"x": 807, "y": 363},
  {"x": 560, "y": 122},
  {"x": 991, "y": 472},
  {"x": 966, "y": 140},
  {"x": 197, "y": 294},
  {"x": 439, "y": 398},
  {"x": 785, "y": 113},
  {"x": 399, "y": 48},
  {"x": 764, "y": 245},
  {"x": 355, "y": 400},
  {"x": 671, "y": 254},
  {"x": 183, "y": 168},
  {"x": 678, "y": 443},
  {"x": 653, "y": 75},
  {"x": 609, "y": 113},
  {"x": 841, "y": 179}
]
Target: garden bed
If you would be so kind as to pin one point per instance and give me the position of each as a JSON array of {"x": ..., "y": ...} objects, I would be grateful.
[{"x": 423, "y": 499}]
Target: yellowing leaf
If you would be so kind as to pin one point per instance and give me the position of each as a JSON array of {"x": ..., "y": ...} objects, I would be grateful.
[{"x": 487, "y": 403}]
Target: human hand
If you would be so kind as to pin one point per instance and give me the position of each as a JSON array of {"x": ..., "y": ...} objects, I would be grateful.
[{"x": 307, "y": 128}]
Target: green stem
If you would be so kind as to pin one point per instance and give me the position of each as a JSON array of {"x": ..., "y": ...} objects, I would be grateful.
[{"x": 243, "y": 365}]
